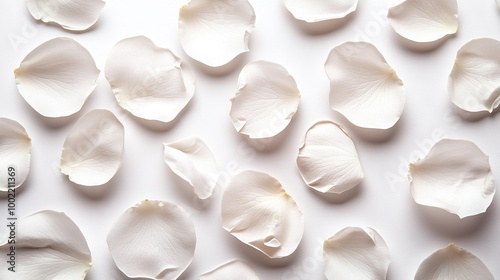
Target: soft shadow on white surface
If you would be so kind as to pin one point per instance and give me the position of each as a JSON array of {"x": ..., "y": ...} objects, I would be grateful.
[
  {"x": 420, "y": 47},
  {"x": 473, "y": 116},
  {"x": 237, "y": 63}
]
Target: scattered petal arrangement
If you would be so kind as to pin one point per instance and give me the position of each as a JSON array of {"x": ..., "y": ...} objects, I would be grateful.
[
  {"x": 455, "y": 176},
  {"x": 157, "y": 239}
]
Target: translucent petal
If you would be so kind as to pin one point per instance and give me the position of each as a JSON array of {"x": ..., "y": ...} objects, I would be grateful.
[
  {"x": 215, "y": 32},
  {"x": 15, "y": 154},
  {"x": 48, "y": 246},
  {"x": 453, "y": 262},
  {"x": 424, "y": 21},
  {"x": 258, "y": 211},
  {"x": 356, "y": 253},
  {"x": 192, "y": 160},
  {"x": 231, "y": 271},
  {"x": 266, "y": 100},
  {"x": 328, "y": 160},
  {"x": 92, "y": 152},
  {"x": 57, "y": 77},
  {"x": 70, "y": 14},
  {"x": 153, "y": 240},
  {"x": 363, "y": 87},
  {"x": 149, "y": 82},
  {"x": 320, "y": 10},
  {"x": 474, "y": 82},
  {"x": 454, "y": 176}
]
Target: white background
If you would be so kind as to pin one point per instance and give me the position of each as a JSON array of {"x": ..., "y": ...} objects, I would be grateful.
[{"x": 412, "y": 232}]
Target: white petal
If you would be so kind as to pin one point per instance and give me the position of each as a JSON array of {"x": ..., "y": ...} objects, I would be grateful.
[
  {"x": 154, "y": 240},
  {"x": 15, "y": 154},
  {"x": 231, "y": 271},
  {"x": 92, "y": 152},
  {"x": 70, "y": 14},
  {"x": 192, "y": 160},
  {"x": 474, "y": 82},
  {"x": 363, "y": 87},
  {"x": 48, "y": 246},
  {"x": 258, "y": 211},
  {"x": 498, "y": 3},
  {"x": 320, "y": 10},
  {"x": 356, "y": 253},
  {"x": 455, "y": 176},
  {"x": 215, "y": 32},
  {"x": 424, "y": 21},
  {"x": 57, "y": 77},
  {"x": 149, "y": 82},
  {"x": 328, "y": 160},
  {"x": 266, "y": 100},
  {"x": 453, "y": 262}
]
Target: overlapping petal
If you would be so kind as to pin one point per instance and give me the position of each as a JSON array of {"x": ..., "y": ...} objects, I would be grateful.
[
  {"x": 474, "y": 82},
  {"x": 57, "y": 77},
  {"x": 258, "y": 211},
  {"x": 153, "y": 240},
  {"x": 453, "y": 262},
  {"x": 328, "y": 160},
  {"x": 356, "y": 253},
  {"x": 48, "y": 245},
  {"x": 192, "y": 160},
  {"x": 266, "y": 100},
  {"x": 92, "y": 152},
  {"x": 455, "y": 176},
  {"x": 15, "y": 154},
  {"x": 215, "y": 32},
  {"x": 363, "y": 87},
  {"x": 148, "y": 81}
]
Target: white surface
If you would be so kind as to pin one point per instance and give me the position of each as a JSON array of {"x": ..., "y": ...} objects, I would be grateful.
[{"x": 408, "y": 229}]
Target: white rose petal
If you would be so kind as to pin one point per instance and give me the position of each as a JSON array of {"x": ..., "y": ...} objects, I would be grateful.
[
  {"x": 92, "y": 152},
  {"x": 266, "y": 100},
  {"x": 215, "y": 32},
  {"x": 49, "y": 245},
  {"x": 356, "y": 253},
  {"x": 258, "y": 211},
  {"x": 328, "y": 161},
  {"x": 424, "y": 21},
  {"x": 454, "y": 176},
  {"x": 149, "y": 82},
  {"x": 15, "y": 152},
  {"x": 363, "y": 87},
  {"x": 453, "y": 262},
  {"x": 57, "y": 77},
  {"x": 320, "y": 10},
  {"x": 153, "y": 240},
  {"x": 192, "y": 160},
  {"x": 474, "y": 82},
  {"x": 231, "y": 271},
  {"x": 69, "y": 14}
]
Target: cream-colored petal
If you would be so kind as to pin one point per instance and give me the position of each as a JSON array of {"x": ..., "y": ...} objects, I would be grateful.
[
  {"x": 69, "y": 14},
  {"x": 258, "y": 211},
  {"x": 363, "y": 87},
  {"x": 48, "y": 246},
  {"x": 453, "y": 262},
  {"x": 148, "y": 81},
  {"x": 153, "y": 240},
  {"x": 233, "y": 270},
  {"x": 15, "y": 155},
  {"x": 192, "y": 160},
  {"x": 424, "y": 21},
  {"x": 215, "y": 32},
  {"x": 328, "y": 161},
  {"x": 320, "y": 10},
  {"x": 92, "y": 152},
  {"x": 266, "y": 100},
  {"x": 474, "y": 82},
  {"x": 57, "y": 77},
  {"x": 356, "y": 253},
  {"x": 455, "y": 176}
]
